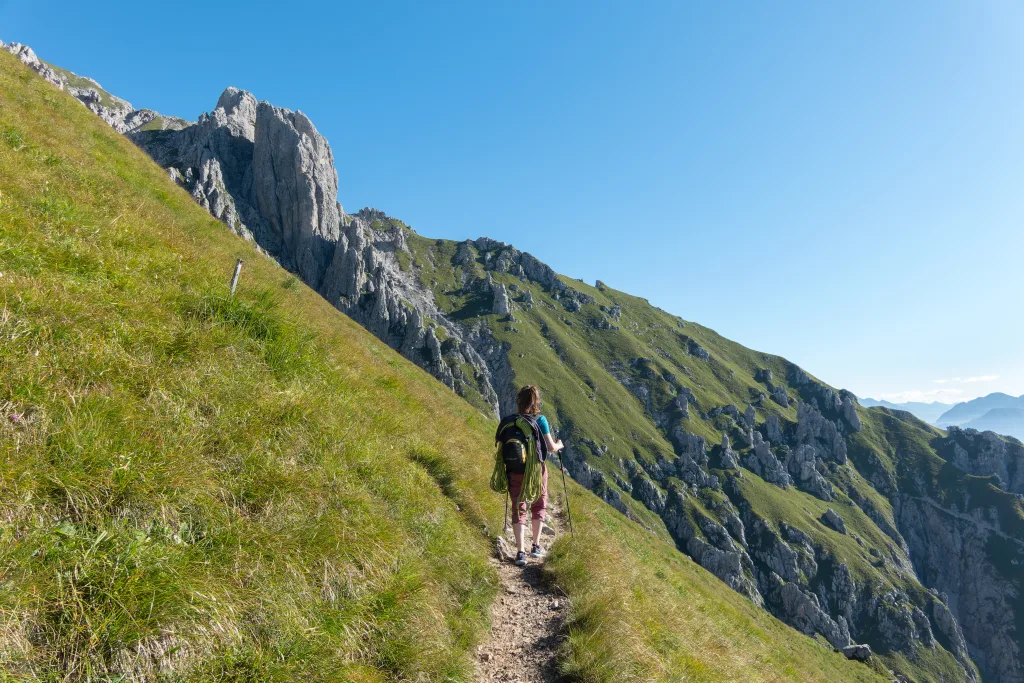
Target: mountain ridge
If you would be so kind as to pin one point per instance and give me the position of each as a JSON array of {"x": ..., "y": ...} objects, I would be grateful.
[
  {"x": 996, "y": 412},
  {"x": 927, "y": 412},
  {"x": 968, "y": 413},
  {"x": 787, "y": 517}
]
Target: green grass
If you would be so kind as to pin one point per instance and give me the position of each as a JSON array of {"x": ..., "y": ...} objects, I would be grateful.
[
  {"x": 645, "y": 612},
  {"x": 195, "y": 486},
  {"x": 584, "y": 372},
  {"x": 220, "y": 487},
  {"x": 165, "y": 123}
]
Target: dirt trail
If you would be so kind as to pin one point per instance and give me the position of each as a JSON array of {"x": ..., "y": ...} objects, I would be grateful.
[{"x": 526, "y": 618}]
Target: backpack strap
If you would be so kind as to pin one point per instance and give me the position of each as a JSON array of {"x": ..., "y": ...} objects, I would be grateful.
[
  {"x": 506, "y": 422},
  {"x": 542, "y": 446}
]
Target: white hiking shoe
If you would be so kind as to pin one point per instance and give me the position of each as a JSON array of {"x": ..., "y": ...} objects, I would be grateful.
[{"x": 536, "y": 552}]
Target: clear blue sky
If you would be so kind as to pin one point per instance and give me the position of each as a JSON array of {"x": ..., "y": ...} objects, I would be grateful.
[{"x": 839, "y": 183}]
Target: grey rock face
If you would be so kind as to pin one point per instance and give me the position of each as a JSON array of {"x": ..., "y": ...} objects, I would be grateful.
[
  {"x": 294, "y": 187},
  {"x": 986, "y": 454},
  {"x": 779, "y": 395},
  {"x": 762, "y": 462},
  {"x": 947, "y": 626},
  {"x": 802, "y": 611},
  {"x": 691, "y": 465},
  {"x": 814, "y": 429},
  {"x": 748, "y": 417},
  {"x": 950, "y": 552},
  {"x": 698, "y": 351},
  {"x": 773, "y": 429},
  {"x": 647, "y": 493},
  {"x": 614, "y": 312},
  {"x": 849, "y": 412},
  {"x": 716, "y": 552},
  {"x": 728, "y": 456},
  {"x": 502, "y": 304}
]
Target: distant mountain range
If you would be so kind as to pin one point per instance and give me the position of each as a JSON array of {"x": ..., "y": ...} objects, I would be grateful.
[
  {"x": 929, "y": 412},
  {"x": 997, "y": 412}
]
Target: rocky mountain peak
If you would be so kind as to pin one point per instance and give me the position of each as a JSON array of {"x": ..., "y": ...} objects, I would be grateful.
[{"x": 236, "y": 111}]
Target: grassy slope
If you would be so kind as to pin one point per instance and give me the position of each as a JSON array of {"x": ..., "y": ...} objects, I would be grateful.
[
  {"x": 256, "y": 488},
  {"x": 204, "y": 482},
  {"x": 581, "y": 368}
]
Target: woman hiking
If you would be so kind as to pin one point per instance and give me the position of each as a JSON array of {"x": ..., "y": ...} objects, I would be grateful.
[{"x": 510, "y": 435}]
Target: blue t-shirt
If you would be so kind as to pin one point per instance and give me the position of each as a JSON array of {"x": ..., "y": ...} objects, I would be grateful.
[{"x": 542, "y": 422}]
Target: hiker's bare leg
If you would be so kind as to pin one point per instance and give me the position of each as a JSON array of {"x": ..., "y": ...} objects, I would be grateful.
[
  {"x": 536, "y": 524},
  {"x": 517, "y": 531}
]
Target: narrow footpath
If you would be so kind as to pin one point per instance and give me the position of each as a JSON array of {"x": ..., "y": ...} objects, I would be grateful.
[{"x": 526, "y": 618}]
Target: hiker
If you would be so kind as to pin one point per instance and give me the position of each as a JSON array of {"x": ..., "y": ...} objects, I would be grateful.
[{"x": 521, "y": 463}]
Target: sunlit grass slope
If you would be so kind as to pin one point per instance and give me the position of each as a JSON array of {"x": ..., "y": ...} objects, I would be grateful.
[
  {"x": 201, "y": 487},
  {"x": 239, "y": 488}
]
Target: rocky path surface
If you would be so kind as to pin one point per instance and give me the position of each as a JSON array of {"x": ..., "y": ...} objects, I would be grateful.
[{"x": 526, "y": 620}]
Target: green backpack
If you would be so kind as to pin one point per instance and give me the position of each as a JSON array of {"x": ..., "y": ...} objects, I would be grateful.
[{"x": 519, "y": 449}]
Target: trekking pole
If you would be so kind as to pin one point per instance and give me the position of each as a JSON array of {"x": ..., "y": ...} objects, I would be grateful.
[
  {"x": 565, "y": 490},
  {"x": 504, "y": 520}
]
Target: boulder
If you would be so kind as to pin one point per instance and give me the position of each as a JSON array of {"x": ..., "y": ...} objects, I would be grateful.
[
  {"x": 859, "y": 653},
  {"x": 832, "y": 519}
]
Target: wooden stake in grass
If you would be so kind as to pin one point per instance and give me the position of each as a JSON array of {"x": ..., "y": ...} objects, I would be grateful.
[{"x": 234, "y": 278}]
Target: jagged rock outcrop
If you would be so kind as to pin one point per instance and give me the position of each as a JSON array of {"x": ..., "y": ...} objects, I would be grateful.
[
  {"x": 269, "y": 174},
  {"x": 802, "y": 610},
  {"x": 728, "y": 459},
  {"x": 502, "y": 305},
  {"x": 614, "y": 312},
  {"x": 717, "y": 551},
  {"x": 773, "y": 429},
  {"x": 803, "y": 464},
  {"x": 698, "y": 351},
  {"x": 986, "y": 454},
  {"x": 691, "y": 465},
  {"x": 780, "y": 396},
  {"x": 762, "y": 462}
]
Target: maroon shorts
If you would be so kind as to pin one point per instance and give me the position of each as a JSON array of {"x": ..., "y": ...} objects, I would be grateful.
[{"x": 537, "y": 508}]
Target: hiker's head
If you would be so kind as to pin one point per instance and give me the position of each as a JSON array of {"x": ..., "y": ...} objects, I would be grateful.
[{"x": 528, "y": 400}]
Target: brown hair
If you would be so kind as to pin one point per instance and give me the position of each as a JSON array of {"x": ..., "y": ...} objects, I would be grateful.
[{"x": 528, "y": 400}]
